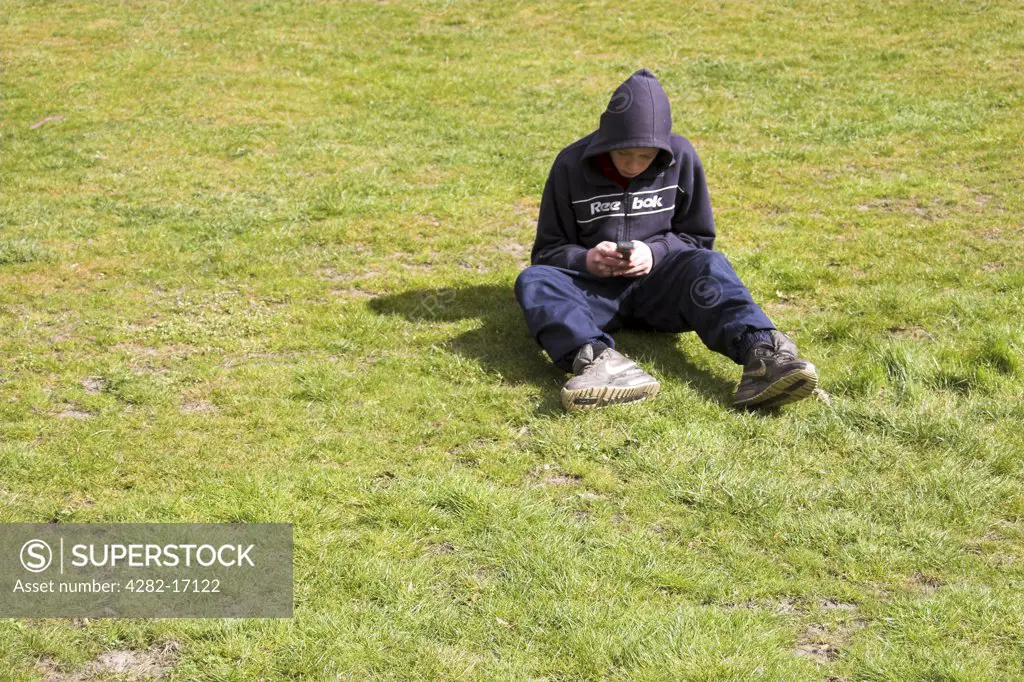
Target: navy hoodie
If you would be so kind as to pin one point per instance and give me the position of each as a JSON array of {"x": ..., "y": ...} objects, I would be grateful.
[{"x": 667, "y": 206}]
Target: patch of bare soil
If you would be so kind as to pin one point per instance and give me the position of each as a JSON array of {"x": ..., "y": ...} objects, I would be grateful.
[
  {"x": 353, "y": 294},
  {"x": 149, "y": 664},
  {"x": 924, "y": 583},
  {"x": 72, "y": 412},
  {"x": 819, "y": 652},
  {"x": 549, "y": 475},
  {"x": 197, "y": 407},
  {"x": 822, "y": 645},
  {"x": 914, "y": 331},
  {"x": 792, "y": 605},
  {"x": 94, "y": 385},
  {"x": 440, "y": 548}
]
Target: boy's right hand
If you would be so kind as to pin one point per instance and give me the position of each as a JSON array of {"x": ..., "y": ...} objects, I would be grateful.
[{"x": 605, "y": 261}]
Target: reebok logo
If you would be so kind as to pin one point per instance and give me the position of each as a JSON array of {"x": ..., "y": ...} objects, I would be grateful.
[
  {"x": 597, "y": 207},
  {"x": 649, "y": 202}
]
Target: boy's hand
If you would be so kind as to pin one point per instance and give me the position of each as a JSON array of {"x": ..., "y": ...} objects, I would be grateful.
[
  {"x": 641, "y": 261},
  {"x": 604, "y": 261}
]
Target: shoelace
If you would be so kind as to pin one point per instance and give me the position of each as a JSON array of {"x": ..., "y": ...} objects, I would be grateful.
[{"x": 776, "y": 355}]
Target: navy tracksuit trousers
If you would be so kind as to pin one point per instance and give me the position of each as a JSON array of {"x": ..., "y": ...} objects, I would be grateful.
[{"x": 694, "y": 290}]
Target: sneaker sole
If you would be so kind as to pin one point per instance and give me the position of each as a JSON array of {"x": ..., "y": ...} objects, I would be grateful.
[
  {"x": 788, "y": 389},
  {"x": 603, "y": 396}
]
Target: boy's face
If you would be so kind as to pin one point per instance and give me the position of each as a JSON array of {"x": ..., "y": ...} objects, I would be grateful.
[{"x": 633, "y": 161}]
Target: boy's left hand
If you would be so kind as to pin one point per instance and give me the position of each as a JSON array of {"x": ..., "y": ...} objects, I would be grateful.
[{"x": 640, "y": 263}]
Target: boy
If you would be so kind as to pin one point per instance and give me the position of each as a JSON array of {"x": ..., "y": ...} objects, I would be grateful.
[{"x": 624, "y": 239}]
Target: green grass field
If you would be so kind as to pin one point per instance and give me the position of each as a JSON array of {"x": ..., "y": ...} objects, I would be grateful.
[{"x": 261, "y": 271}]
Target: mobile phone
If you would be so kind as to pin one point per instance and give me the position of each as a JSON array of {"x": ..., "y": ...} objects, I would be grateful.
[{"x": 625, "y": 248}]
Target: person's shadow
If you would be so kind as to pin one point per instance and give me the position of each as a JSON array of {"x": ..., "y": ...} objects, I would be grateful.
[{"x": 504, "y": 347}]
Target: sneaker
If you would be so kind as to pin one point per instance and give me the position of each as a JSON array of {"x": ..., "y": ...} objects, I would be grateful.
[
  {"x": 608, "y": 379},
  {"x": 775, "y": 376}
]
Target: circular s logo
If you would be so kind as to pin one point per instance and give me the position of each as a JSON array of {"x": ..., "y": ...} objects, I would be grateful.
[
  {"x": 621, "y": 100},
  {"x": 706, "y": 292},
  {"x": 36, "y": 556}
]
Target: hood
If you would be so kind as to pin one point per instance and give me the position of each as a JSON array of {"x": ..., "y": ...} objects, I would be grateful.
[{"x": 638, "y": 115}]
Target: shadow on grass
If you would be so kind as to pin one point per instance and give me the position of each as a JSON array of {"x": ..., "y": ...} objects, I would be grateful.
[{"x": 503, "y": 346}]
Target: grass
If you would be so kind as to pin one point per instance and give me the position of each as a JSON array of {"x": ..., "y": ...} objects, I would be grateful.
[{"x": 261, "y": 271}]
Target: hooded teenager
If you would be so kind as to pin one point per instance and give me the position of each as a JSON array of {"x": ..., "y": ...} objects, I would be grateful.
[{"x": 625, "y": 238}]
